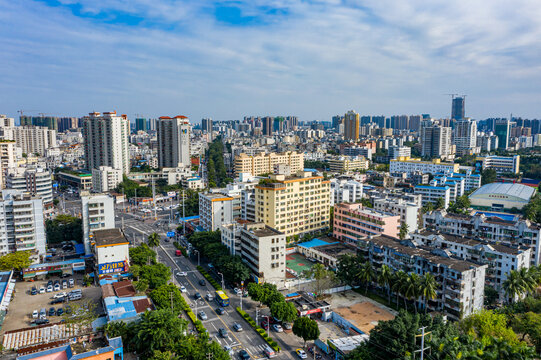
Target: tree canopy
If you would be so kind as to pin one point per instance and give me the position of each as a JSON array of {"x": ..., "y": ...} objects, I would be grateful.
[
  {"x": 142, "y": 255},
  {"x": 15, "y": 261},
  {"x": 306, "y": 328},
  {"x": 64, "y": 228}
]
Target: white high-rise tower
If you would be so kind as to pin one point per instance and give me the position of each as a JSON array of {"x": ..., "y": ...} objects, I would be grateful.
[{"x": 173, "y": 141}]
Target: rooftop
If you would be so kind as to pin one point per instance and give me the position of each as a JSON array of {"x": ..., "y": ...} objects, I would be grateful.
[
  {"x": 108, "y": 237},
  {"x": 520, "y": 191}
]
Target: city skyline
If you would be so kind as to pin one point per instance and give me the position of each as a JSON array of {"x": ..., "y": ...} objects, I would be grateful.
[{"x": 224, "y": 60}]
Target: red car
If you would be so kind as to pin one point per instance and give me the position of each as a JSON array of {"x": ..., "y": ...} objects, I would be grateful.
[{"x": 265, "y": 325}]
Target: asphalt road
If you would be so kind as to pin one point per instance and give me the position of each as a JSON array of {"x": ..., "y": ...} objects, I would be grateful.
[{"x": 248, "y": 339}]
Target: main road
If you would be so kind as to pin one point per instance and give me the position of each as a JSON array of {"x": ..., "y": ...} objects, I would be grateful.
[{"x": 138, "y": 230}]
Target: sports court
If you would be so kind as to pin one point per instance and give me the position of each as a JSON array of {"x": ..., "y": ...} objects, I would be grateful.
[{"x": 298, "y": 263}]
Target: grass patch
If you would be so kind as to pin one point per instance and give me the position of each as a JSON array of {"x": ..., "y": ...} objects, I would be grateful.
[
  {"x": 376, "y": 297},
  {"x": 259, "y": 330}
]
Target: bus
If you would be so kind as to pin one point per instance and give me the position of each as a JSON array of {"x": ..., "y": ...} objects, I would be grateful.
[{"x": 221, "y": 298}]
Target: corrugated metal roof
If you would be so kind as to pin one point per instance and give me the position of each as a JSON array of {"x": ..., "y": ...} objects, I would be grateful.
[{"x": 517, "y": 190}]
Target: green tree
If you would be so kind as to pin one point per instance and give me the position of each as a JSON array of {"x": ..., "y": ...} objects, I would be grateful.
[
  {"x": 367, "y": 274},
  {"x": 366, "y": 203},
  {"x": 404, "y": 231},
  {"x": 142, "y": 255},
  {"x": 165, "y": 296},
  {"x": 428, "y": 207},
  {"x": 15, "y": 261},
  {"x": 411, "y": 289},
  {"x": 306, "y": 328},
  {"x": 399, "y": 279},
  {"x": 158, "y": 330},
  {"x": 154, "y": 240},
  {"x": 156, "y": 275},
  {"x": 348, "y": 268},
  {"x": 64, "y": 228},
  {"x": 488, "y": 176},
  {"x": 486, "y": 325},
  {"x": 284, "y": 311},
  {"x": 256, "y": 292},
  {"x": 141, "y": 285},
  {"x": 323, "y": 278},
  {"x": 491, "y": 296},
  {"x": 135, "y": 271},
  {"x": 520, "y": 282},
  {"x": 440, "y": 203},
  {"x": 385, "y": 279},
  {"x": 427, "y": 288},
  {"x": 529, "y": 325}
]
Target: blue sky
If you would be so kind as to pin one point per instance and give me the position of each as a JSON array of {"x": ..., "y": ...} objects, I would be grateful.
[{"x": 228, "y": 59}]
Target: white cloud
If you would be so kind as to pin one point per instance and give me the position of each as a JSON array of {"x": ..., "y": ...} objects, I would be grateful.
[{"x": 321, "y": 58}]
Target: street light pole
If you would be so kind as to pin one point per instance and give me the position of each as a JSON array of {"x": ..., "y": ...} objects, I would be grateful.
[
  {"x": 223, "y": 284},
  {"x": 198, "y": 262}
]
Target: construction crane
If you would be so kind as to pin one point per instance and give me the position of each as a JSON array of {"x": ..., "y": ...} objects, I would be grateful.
[
  {"x": 21, "y": 112},
  {"x": 451, "y": 95}
]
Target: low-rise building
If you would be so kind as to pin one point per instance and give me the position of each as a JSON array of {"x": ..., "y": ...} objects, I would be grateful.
[
  {"x": 215, "y": 210},
  {"x": 407, "y": 210},
  {"x": 58, "y": 349},
  {"x": 409, "y": 166},
  {"x": 431, "y": 194},
  {"x": 230, "y": 234},
  {"x": 327, "y": 252},
  {"x": 111, "y": 251},
  {"x": 461, "y": 283},
  {"x": 493, "y": 228},
  {"x": 346, "y": 189},
  {"x": 80, "y": 181},
  {"x": 348, "y": 163},
  {"x": 263, "y": 249},
  {"x": 502, "y": 164},
  {"x": 105, "y": 179},
  {"x": 501, "y": 196},
  {"x": 500, "y": 259},
  {"x": 352, "y": 223}
]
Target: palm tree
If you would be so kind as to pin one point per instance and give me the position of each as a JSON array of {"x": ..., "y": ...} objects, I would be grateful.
[
  {"x": 399, "y": 279},
  {"x": 513, "y": 285},
  {"x": 411, "y": 289},
  {"x": 427, "y": 287},
  {"x": 404, "y": 230},
  {"x": 529, "y": 280},
  {"x": 153, "y": 240},
  {"x": 367, "y": 274},
  {"x": 385, "y": 278}
]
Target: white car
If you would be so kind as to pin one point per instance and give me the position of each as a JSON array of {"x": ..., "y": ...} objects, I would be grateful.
[
  {"x": 42, "y": 290},
  {"x": 60, "y": 295},
  {"x": 181, "y": 273},
  {"x": 50, "y": 288},
  {"x": 229, "y": 350},
  {"x": 277, "y": 328},
  {"x": 183, "y": 289},
  {"x": 35, "y": 314}
]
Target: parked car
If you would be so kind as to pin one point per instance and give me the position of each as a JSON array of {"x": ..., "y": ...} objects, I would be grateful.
[
  {"x": 52, "y": 311},
  {"x": 265, "y": 325},
  {"x": 243, "y": 354},
  {"x": 34, "y": 291},
  {"x": 301, "y": 353},
  {"x": 277, "y": 328},
  {"x": 59, "y": 312},
  {"x": 237, "y": 327},
  {"x": 202, "y": 282},
  {"x": 35, "y": 314},
  {"x": 50, "y": 283},
  {"x": 67, "y": 309},
  {"x": 57, "y": 287},
  {"x": 287, "y": 326},
  {"x": 220, "y": 311},
  {"x": 60, "y": 295},
  {"x": 71, "y": 283},
  {"x": 222, "y": 332},
  {"x": 41, "y": 321},
  {"x": 49, "y": 288},
  {"x": 183, "y": 289},
  {"x": 197, "y": 296},
  {"x": 43, "y": 313},
  {"x": 42, "y": 290},
  {"x": 75, "y": 296},
  {"x": 58, "y": 301},
  {"x": 202, "y": 315},
  {"x": 64, "y": 284}
]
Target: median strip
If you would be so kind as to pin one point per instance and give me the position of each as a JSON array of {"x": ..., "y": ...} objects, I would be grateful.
[
  {"x": 209, "y": 278},
  {"x": 259, "y": 330}
]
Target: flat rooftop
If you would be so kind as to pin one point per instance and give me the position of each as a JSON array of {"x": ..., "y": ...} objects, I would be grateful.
[{"x": 107, "y": 237}]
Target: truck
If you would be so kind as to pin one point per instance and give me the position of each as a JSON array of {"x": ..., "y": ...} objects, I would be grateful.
[{"x": 178, "y": 253}]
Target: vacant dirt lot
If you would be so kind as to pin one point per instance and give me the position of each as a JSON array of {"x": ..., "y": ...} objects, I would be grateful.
[
  {"x": 365, "y": 315},
  {"x": 22, "y": 304}
]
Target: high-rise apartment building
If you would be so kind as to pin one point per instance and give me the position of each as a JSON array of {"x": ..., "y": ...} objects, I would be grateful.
[
  {"x": 67, "y": 123},
  {"x": 141, "y": 124},
  {"x": 501, "y": 130},
  {"x": 31, "y": 139},
  {"x": 458, "y": 108},
  {"x": 465, "y": 137},
  {"x": 21, "y": 224},
  {"x": 106, "y": 141},
  {"x": 34, "y": 180},
  {"x": 98, "y": 212},
  {"x": 6, "y": 121},
  {"x": 351, "y": 126},
  {"x": 268, "y": 122},
  {"x": 206, "y": 125},
  {"x": 435, "y": 141},
  {"x": 49, "y": 122},
  {"x": 295, "y": 204},
  {"x": 337, "y": 121},
  {"x": 266, "y": 163},
  {"x": 173, "y": 141},
  {"x": 7, "y": 159}
]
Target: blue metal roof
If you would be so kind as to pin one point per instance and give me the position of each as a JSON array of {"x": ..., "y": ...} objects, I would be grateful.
[
  {"x": 431, "y": 187},
  {"x": 56, "y": 263},
  {"x": 315, "y": 242}
]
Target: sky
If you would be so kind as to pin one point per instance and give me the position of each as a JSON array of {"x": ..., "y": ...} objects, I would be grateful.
[{"x": 230, "y": 59}]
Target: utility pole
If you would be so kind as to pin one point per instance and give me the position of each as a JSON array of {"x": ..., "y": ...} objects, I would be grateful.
[
  {"x": 154, "y": 199},
  {"x": 423, "y": 348},
  {"x": 183, "y": 220}
]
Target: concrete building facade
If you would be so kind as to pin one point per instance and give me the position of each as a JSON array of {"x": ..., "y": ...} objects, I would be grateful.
[
  {"x": 98, "y": 213},
  {"x": 173, "y": 141}
]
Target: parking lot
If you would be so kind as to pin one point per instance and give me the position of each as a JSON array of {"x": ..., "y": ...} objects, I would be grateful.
[{"x": 23, "y": 303}]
